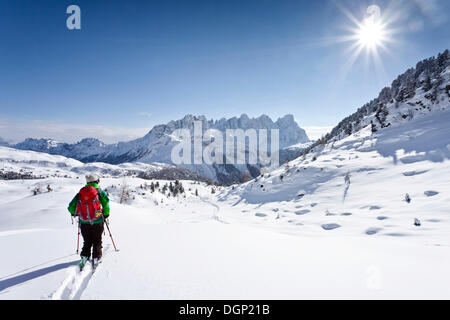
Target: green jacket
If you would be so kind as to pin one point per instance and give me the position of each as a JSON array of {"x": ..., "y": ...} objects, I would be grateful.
[{"x": 102, "y": 196}]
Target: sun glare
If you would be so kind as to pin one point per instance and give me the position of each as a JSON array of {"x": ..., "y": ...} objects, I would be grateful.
[{"x": 370, "y": 34}]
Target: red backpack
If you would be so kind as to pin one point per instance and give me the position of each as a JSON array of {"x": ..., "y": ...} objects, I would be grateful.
[{"x": 88, "y": 205}]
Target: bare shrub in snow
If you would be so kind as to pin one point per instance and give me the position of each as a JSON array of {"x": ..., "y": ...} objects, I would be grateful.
[
  {"x": 36, "y": 191},
  {"x": 407, "y": 198},
  {"x": 125, "y": 192},
  {"x": 246, "y": 176}
]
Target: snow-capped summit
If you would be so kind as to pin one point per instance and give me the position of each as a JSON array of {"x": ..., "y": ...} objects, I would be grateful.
[
  {"x": 37, "y": 144},
  {"x": 78, "y": 150},
  {"x": 93, "y": 142},
  {"x": 290, "y": 132}
]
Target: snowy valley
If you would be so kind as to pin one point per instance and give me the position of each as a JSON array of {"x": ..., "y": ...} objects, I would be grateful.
[
  {"x": 362, "y": 213},
  {"x": 310, "y": 234}
]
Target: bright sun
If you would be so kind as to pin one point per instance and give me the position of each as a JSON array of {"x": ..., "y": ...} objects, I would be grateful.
[{"x": 370, "y": 34}]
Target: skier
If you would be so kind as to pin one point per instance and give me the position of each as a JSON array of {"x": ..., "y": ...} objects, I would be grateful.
[{"x": 91, "y": 205}]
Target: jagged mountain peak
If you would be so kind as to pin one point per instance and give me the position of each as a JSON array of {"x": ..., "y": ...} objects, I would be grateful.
[
  {"x": 91, "y": 142},
  {"x": 244, "y": 117},
  {"x": 287, "y": 120},
  {"x": 37, "y": 144}
]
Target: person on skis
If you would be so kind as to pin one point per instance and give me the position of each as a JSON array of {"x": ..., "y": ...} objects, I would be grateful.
[{"x": 91, "y": 205}]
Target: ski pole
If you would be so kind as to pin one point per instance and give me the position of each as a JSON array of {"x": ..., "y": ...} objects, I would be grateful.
[
  {"x": 107, "y": 226},
  {"x": 78, "y": 240}
]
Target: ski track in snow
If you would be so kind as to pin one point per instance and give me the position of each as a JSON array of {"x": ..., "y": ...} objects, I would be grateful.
[
  {"x": 215, "y": 215},
  {"x": 21, "y": 231},
  {"x": 77, "y": 281}
]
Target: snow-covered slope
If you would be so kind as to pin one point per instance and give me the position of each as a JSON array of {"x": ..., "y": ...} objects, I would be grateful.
[
  {"x": 415, "y": 93},
  {"x": 358, "y": 184},
  {"x": 43, "y": 165}
]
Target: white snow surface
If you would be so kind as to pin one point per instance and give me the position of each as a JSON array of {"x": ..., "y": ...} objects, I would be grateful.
[{"x": 336, "y": 226}]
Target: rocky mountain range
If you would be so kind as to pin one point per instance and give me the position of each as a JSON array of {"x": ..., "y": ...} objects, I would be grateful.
[{"x": 157, "y": 144}]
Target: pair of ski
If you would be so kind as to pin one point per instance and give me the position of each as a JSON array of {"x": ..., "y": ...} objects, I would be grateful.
[
  {"x": 94, "y": 262},
  {"x": 84, "y": 260}
]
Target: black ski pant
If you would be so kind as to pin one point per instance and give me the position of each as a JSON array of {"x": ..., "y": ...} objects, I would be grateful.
[{"x": 92, "y": 236}]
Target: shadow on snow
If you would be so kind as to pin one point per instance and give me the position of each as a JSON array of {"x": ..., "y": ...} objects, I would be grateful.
[{"x": 13, "y": 281}]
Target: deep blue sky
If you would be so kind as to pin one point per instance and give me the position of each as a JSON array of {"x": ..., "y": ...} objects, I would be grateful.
[{"x": 137, "y": 63}]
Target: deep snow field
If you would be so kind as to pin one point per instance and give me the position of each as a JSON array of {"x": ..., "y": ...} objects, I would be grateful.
[{"x": 312, "y": 234}]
